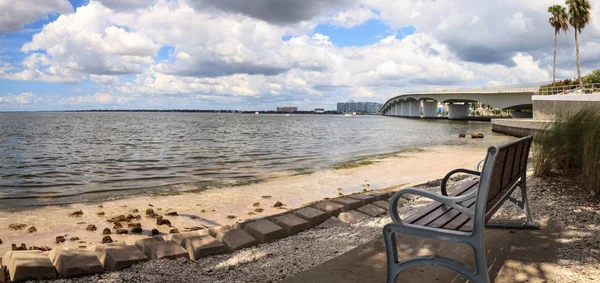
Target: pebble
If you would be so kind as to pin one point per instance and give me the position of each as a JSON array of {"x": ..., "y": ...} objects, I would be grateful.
[
  {"x": 106, "y": 239},
  {"x": 174, "y": 231},
  {"x": 122, "y": 231},
  {"x": 106, "y": 231},
  {"x": 91, "y": 227},
  {"x": 118, "y": 218},
  {"x": 134, "y": 225},
  {"x": 73, "y": 239},
  {"x": 256, "y": 204},
  {"x": 266, "y": 196},
  {"x": 23, "y": 247},
  {"x": 16, "y": 226},
  {"x": 135, "y": 210},
  {"x": 77, "y": 213},
  {"x": 259, "y": 210},
  {"x": 162, "y": 221},
  {"x": 117, "y": 225},
  {"x": 231, "y": 216},
  {"x": 136, "y": 230},
  {"x": 278, "y": 204},
  {"x": 60, "y": 239},
  {"x": 173, "y": 213},
  {"x": 149, "y": 212},
  {"x": 101, "y": 213},
  {"x": 154, "y": 232},
  {"x": 31, "y": 229}
]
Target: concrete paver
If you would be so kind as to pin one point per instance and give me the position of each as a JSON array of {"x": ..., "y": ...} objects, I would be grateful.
[
  {"x": 372, "y": 210},
  {"x": 312, "y": 215},
  {"x": 30, "y": 266},
  {"x": 179, "y": 237},
  {"x": 164, "y": 249},
  {"x": 331, "y": 208},
  {"x": 236, "y": 239},
  {"x": 382, "y": 204},
  {"x": 203, "y": 246},
  {"x": 332, "y": 222},
  {"x": 381, "y": 195},
  {"x": 142, "y": 243},
  {"x": 264, "y": 231},
  {"x": 352, "y": 216},
  {"x": 291, "y": 223},
  {"x": 119, "y": 257},
  {"x": 349, "y": 203},
  {"x": 366, "y": 199},
  {"x": 77, "y": 262}
]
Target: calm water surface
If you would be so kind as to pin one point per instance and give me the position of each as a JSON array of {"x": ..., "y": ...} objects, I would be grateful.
[{"x": 67, "y": 157}]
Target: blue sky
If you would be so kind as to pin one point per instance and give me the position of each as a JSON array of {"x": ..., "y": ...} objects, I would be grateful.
[{"x": 186, "y": 54}]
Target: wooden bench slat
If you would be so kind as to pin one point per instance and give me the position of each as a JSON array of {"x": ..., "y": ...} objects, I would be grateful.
[
  {"x": 449, "y": 216},
  {"x": 436, "y": 205}
]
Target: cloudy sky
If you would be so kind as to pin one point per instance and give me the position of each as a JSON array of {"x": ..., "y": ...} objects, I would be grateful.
[{"x": 259, "y": 54}]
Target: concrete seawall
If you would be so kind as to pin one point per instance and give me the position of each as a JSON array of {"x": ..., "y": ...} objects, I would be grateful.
[
  {"x": 518, "y": 127},
  {"x": 546, "y": 107}
]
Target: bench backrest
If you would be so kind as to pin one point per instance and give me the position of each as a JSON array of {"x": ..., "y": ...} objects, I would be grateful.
[{"x": 505, "y": 166}]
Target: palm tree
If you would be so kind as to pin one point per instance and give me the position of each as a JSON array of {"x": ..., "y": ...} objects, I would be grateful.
[
  {"x": 579, "y": 16},
  {"x": 559, "y": 21}
]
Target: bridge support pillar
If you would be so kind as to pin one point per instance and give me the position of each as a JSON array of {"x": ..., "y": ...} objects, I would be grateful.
[
  {"x": 414, "y": 108},
  {"x": 458, "y": 111},
  {"x": 396, "y": 109},
  {"x": 430, "y": 109},
  {"x": 404, "y": 109}
]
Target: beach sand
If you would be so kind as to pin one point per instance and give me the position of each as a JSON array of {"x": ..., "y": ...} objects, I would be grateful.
[{"x": 212, "y": 207}]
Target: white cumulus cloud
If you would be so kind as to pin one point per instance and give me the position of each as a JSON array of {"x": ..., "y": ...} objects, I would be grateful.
[{"x": 14, "y": 14}]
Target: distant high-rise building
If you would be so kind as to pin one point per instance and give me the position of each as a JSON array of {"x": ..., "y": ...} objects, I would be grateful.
[
  {"x": 358, "y": 107},
  {"x": 287, "y": 109}
]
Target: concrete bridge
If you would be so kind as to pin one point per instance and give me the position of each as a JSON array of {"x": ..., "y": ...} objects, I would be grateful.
[{"x": 424, "y": 104}]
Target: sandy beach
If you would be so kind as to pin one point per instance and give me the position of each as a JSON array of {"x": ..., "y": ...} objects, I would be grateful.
[{"x": 221, "y": 206}]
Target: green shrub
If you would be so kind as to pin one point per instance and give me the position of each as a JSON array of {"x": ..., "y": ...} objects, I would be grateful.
[
  {"x": 592, "y": 78},
  {"x": 571, "y": 146}
]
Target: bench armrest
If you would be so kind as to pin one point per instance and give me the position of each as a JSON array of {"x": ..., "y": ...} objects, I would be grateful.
[
  {"x": 449, "y": 201},
  {"x": 447, "y": 177},
  {"x": 479, "y": 165}
]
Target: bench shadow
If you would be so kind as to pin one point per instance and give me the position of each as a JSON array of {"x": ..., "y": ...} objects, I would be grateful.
[{"x": 512, "y": 256}]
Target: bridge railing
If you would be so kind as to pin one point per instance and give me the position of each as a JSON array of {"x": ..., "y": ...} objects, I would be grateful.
[
  {"x": 568, "y": 89},
  {"x": 530, "y": 87}
]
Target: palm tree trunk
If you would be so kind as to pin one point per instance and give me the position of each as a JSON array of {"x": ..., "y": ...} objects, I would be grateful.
[
  {"x": 577, "y": 54},
  {"x": 554, "y": 67}
]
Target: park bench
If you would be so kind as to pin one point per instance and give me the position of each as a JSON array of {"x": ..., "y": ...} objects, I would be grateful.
[{"x": 462, "y": 216}]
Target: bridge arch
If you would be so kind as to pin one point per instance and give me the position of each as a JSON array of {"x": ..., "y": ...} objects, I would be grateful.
[{"x": 515, "y": 98}]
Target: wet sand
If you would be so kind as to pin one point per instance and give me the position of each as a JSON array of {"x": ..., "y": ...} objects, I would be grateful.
[{"x": 213, "y": 206}]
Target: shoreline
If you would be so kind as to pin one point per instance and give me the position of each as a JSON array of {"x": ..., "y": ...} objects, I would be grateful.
[{"x": 215, "y": 207}]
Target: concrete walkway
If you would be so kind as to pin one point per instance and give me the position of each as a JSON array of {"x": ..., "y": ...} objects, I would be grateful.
[{"x": 512, "y": 256}]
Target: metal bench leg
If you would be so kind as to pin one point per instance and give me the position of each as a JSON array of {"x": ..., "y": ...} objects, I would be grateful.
[
  {"x": 394, "y": 267},
  {"x": 481, "y": 272},
  {"x": 391, "y": 254},
  {"x": 523, "y": 203}
]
